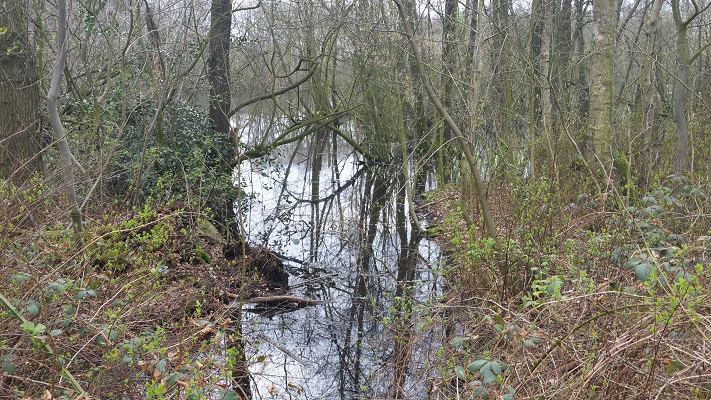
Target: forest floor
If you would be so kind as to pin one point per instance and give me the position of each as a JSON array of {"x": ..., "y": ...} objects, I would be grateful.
[
  {"x": 138, "y": 307},
  {"x": 608, "y": 300}
]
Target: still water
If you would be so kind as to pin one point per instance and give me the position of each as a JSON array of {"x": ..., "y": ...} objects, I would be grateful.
[{"x": 347, "y": 241}]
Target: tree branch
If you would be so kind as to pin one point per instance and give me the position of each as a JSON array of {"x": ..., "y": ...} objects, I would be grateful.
[{"x": 274, "y": 94}]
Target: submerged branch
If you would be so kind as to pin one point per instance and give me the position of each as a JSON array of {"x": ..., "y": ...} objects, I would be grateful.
[
  {"x": 292, "y": 299},
  {"x": 281, "y": 298}
]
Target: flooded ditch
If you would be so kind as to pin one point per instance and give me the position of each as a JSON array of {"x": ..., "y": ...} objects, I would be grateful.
[{"x": 346, "y": 238}]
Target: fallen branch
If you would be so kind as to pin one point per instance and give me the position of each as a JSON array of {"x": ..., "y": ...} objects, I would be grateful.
[
  {"x": 283, "y": 298},
  {"x": 293, "y": 299}
]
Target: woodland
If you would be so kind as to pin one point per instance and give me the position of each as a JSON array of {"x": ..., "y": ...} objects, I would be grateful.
[{"x": 380, "y": 199}]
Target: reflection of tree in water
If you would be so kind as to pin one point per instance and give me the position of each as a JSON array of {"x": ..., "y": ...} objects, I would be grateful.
[{"x": 363, "y": 341}]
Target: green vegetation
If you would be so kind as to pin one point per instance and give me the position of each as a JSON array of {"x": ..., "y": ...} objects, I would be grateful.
[
  {"x": 558, "y": 152},
  {"x": 612, "y": 302}
]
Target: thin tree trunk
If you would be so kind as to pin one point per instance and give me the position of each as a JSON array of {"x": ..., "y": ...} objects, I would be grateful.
[
  {"x": 464, "y": 146},
  {"x": 582, "y": 100},
  {"x": 600, "y": 122},
  {"x": 682, "y": 81},
  {"x": 537, "y": 18},
  {"x": 61, "y": 138},
  {"x": 648, "y": 105},
  {"x": 445, "y": 153}
]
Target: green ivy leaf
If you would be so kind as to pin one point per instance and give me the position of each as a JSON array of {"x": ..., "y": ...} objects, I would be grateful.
[
  {"x": 495, "y": 367},
  {"x": 160, "y": 365},
  {"x": 487, "y": 374},
  {"x": 478, "y": 390},
  {"x": 643, "y": 270},
  {"x": 174, "y": 378},
  {"x": 33, "y": 308},
  {"x": 8, "y": 367},
  {"x": 6, "y": 363},
  {"x": 459, "y": 370},
  {"x": 20, "y": 278},
  {"x": 458, "y": 341},
  {"x": 476, "y": 365}
]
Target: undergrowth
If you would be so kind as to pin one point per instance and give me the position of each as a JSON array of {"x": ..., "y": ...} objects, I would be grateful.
[
  {"x": 137, "y": 307},
  {"x": 610, "y": 296}
]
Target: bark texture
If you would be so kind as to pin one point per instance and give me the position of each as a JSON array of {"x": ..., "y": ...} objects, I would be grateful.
[
  {"x": 20, "y": 133},
  {"x": 219, "y": 64},
  {"x": 648, "y": 99},
  {"x": 600, "y": 114}
]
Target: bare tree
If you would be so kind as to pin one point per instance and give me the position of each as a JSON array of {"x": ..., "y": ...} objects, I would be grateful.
[
  {"x": 60, "y": 136},
  {"x": 683, "y": 61},
  {"x": 464, "y": 146}
]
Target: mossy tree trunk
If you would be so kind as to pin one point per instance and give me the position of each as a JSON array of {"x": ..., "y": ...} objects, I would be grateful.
[{"x": 20, "y": 133}]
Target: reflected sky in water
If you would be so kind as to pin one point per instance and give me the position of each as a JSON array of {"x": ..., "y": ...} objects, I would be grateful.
[{"x": 312, "y": 353}]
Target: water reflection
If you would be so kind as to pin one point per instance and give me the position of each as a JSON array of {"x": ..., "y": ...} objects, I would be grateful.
[{"x": 357, "y": 250}]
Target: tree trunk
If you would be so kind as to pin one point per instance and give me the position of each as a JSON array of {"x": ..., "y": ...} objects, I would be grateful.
[
  {"x": 682, "y": 82},
  {"x": 20, "y": 133},
  {"x": 648, "y": 106},
  {"x": 537, "y": 18},
  {"x": 218, "y": 64},
  {"x": 545, "y": 68},
  {"x": 501, "y": 79},
  {"x": 59, "y": 134},
  {"x": 582, "y": 100},
  {"x": 218, "y": 67},
  {"x": 446, "y": 153},
  {"x": 600, "y": 120}
]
